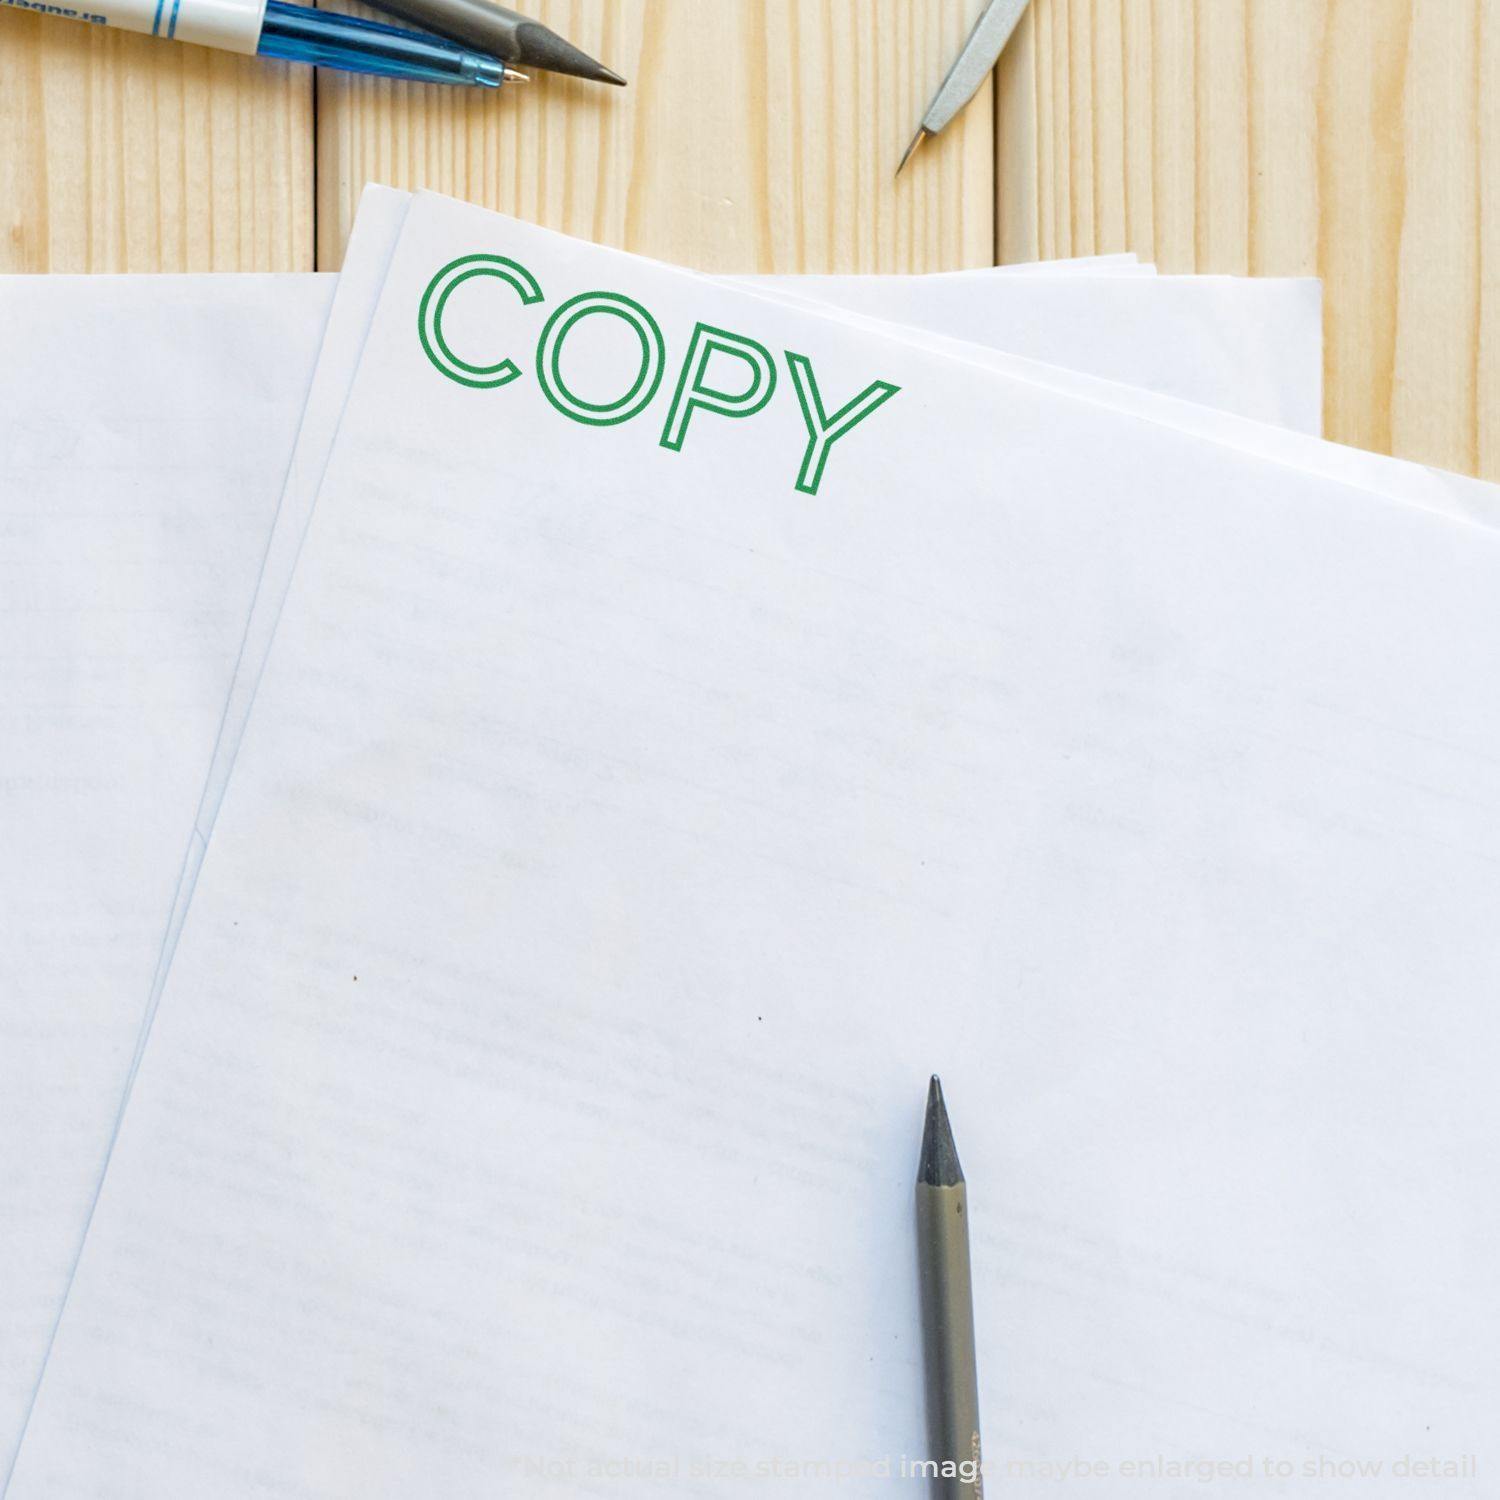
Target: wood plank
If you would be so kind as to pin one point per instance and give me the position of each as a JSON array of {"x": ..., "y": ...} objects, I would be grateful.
[
  {"x": 125, "y": 153},
  {"x": 1223, "y": 138},
  {"x": 755, "y": 135},
  {"x": 1081, "y": 120},
  {"x": 1174, "y": 133},
  {"x": 1354, "y": 139},
  {"x": 1110, "y": 192},
  {"x": 1060, "y": 68},
  {"x": 1362, "y": 200},
  {"x": 1487, "y": 361},
  {"x": 1437, "y": 277},
  {"x": 1283, "y": 46},
  {"x": 1046, "y": 146},
  {"x": 1139, "y": 129},
  {"x": 1016, "y": 126}
]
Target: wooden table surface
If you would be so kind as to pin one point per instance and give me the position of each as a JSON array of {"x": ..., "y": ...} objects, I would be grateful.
[{"x": 1358, "y": 140}]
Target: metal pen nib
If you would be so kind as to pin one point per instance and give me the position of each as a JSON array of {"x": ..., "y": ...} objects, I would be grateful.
[{"x": 911, "y": 150}]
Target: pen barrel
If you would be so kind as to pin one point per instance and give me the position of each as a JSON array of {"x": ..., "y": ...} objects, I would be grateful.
[
  {"x": 948, "y": 1341},
  {"x": 328, "y": 39},
  {"x": 231, "y": 25}
]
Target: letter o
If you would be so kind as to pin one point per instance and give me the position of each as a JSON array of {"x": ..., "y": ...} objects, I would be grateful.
[{"x": 648, "y": 374}]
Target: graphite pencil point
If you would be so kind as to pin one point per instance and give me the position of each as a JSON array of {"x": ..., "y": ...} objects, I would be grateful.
[
  {"x": 938, "y": 1166},
  {"x": 541, "y": 47}
]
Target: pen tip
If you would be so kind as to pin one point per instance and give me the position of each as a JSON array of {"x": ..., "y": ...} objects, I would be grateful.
[
  {"x": 916, "y": 141},
  {"x": 938, "y": 1165}
]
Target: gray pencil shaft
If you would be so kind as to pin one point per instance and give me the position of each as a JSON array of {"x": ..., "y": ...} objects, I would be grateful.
[
  {"x": 948, "y": 1338},
  {"x": 502, "y": 33},
  {"x": 475, "y": 23}
]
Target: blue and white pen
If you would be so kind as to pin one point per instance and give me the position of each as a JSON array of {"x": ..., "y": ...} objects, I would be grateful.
[{"x": 295, "y": 33}]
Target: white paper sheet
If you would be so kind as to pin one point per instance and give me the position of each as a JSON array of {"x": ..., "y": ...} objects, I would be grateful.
[
  {"x": 121, "y": 322},
  {"x": 619, "y": 838},
  {"x": 1297, "y": 358},
  {"x": 1439, "y": 490},
  {"x": 1252, "y": 346},
  {"x": 1125, "y": 263},
  {"x": 1288, "y": 345},
  {"x": 145, "y": 426}
]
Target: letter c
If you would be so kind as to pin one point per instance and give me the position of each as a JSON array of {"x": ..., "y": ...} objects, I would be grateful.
[{"x": 435, "y": 301}]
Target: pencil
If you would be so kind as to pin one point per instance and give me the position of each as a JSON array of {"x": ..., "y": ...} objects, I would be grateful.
[
  {"x": 503, "y": 33},
  {"x": 947, "y": 1310}
]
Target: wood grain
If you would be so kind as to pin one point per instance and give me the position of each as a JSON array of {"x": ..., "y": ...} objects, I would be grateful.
[
  {"x": 124, "y": 153},
  {"x": 1358, "y": 140},
  {"x": 754, "y": 135}
]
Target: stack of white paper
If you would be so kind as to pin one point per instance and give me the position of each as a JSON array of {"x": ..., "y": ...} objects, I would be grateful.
[
  {"x": 675, "y": 717},
  {"x": 147, "y": 427}
]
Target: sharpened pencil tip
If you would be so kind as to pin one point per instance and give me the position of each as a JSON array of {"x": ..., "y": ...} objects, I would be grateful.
[
  {"x": 938, "y": 1165},
  {"x": 539, "y": 46},
  {"x": 916, "y": 141}
]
